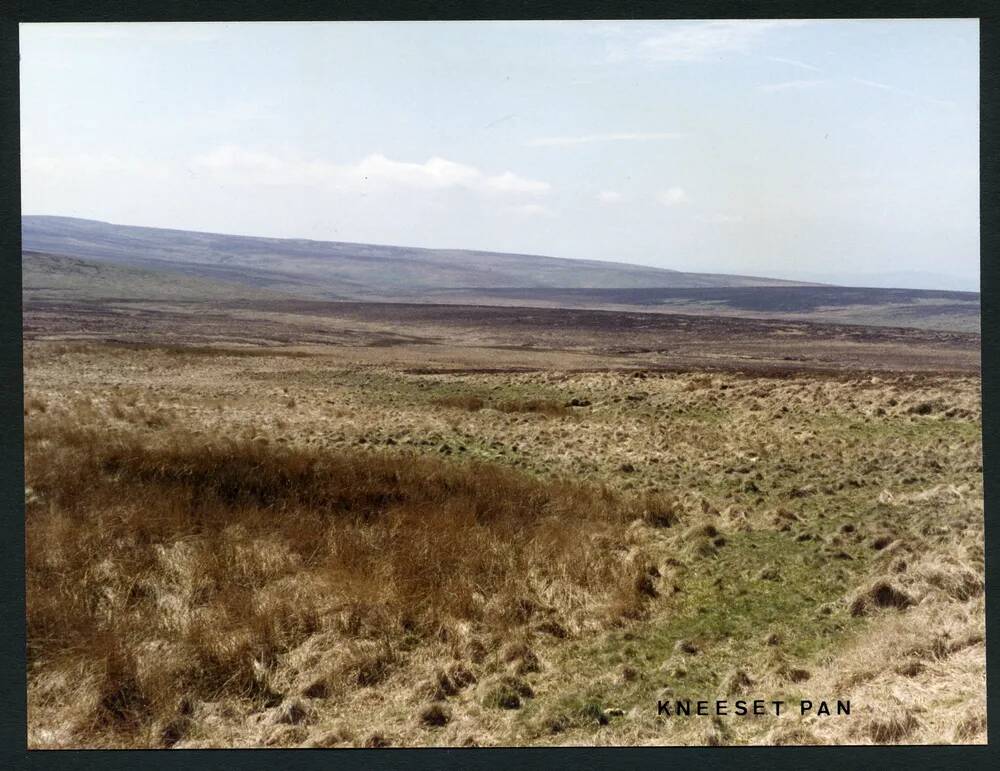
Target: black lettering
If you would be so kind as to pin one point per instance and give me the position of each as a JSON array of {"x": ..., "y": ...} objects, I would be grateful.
[
  {"x": 721, "y": 707},
  {"x": 823, "y": 709},
  {"x": 684, "y": 707},
  {"x": 663, "y": 708},
  {"x": 758, "y": 706},
  {"x": 741, "y": 707},
  {"x": 702, "y": 707},
  {"x": 777, "y": 707},
  {"x": 804, "y": 706},
  {"x": 843, "y": 707}
]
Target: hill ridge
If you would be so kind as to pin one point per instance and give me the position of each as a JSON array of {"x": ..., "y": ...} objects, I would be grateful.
[{"x": 328, "y": 269}]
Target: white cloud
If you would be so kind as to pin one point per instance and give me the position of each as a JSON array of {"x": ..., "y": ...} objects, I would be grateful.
[
  {"x": 235, "y": 164},
  {"x": 609, "y": 196},
  {"x": 239, "y": 165},
  {"x": 672, "y": 196},
  {"x": 701, "y": 41},
  {"x": 434, "y": 174},
  {"x": 791, "y": 85},
  {"x": 508, "y": 182},
  {"x": 614, "y": 137}
]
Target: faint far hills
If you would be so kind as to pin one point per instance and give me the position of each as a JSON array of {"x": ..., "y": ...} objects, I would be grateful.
[
  {"x": 893, "y": 279},
  {"x": 338, "y": 270},
  {"x": 66, "y": 258}
]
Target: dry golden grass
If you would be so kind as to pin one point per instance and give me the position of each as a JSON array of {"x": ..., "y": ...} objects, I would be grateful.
[
  {"x": 181, "y": 569},
  {"x": 269, "y": 550},
  {"x": 464, "y": 402},
  {"x": 919, "y": 677},
  {"x": 541, "y": 406},
  {"x": 472, "y": 403}
]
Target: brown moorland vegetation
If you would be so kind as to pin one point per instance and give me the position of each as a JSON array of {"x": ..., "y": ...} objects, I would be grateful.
[
  {"x": 218, "y": 557},
  {"x": 317, "y": 550}
]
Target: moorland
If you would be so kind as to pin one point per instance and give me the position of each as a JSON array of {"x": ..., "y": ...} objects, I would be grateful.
[{"x": 258, "y": 518}]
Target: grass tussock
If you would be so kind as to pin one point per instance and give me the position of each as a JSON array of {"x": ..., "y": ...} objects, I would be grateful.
[
  {"x": 185, "y": 569},
  {"x": 463, "y": 402},
  {"x": 548, "y": 407},
  {"x": 472, "y": 403},
  {"x": 34, "y": 404},
  {"x": 880, "y": 594},
  {"x": 892, "y": 726}
]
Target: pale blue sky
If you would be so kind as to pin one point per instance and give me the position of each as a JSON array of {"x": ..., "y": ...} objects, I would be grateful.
[{"x": 776, "y": 148}]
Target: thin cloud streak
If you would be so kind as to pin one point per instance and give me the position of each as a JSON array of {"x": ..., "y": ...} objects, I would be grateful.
[
  {"x": 792, "y": 85},
  {"x": 232, "y": 164},
  {"x": 590, "y": 138},
  {"x": 902, "y": 91},
  {"x": 793, "y": 63},
  {"x": 703, "y": 41}
]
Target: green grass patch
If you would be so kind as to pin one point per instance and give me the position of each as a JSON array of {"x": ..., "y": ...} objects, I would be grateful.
[{"x": 726, "y": 610}]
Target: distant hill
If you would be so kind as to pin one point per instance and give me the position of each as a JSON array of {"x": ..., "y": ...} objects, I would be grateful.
[
  {"x": 337, "y": 270},
  {"x": 55, "y": 277},
  {"x": 75, "y": 259},
  {"x": 871, "y": 306},
  {"x": 892, "y": 279}
]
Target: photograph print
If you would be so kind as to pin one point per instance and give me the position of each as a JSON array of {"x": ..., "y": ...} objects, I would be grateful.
[{"x": 491, "y": 384}]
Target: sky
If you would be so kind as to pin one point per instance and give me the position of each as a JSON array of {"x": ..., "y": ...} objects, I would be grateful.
[{"x": 803, "y": 149}]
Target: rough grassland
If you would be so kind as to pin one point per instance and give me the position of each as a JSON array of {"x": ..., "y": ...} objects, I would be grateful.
[{"x": 273, "y": 550}]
